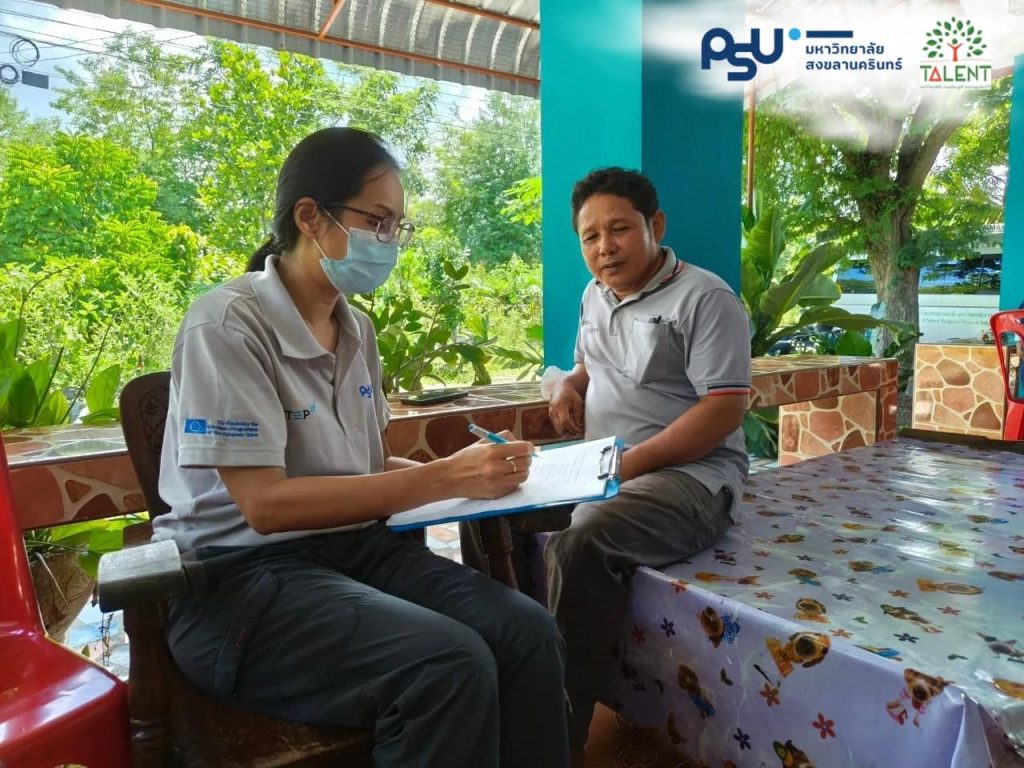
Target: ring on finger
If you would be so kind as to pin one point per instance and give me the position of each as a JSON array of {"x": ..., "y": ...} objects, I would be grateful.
[{"x": 512, "y": 461}]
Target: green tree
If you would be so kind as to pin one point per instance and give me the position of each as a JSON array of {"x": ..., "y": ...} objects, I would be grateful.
[
  {"x": 140, "y": 97},
  {"x": 80, "y": 209},
  {"x": 973, "y": 165},
  {"x": 13, "y": 121},
  {"x": 213, "y": 126},
  {"x": 376, "y": 102},
  {"x": 523, "y": 201},
  {"x": 78, "y": 196},
  {"x": 906, "y": 189},
  {"x": 168, "y": 145},
  {"x": 250, "y": 114},
  {"x": 476, "y": 168},
  {"x": 18, "y": 126},
  {"x": 255, "y": 108}
]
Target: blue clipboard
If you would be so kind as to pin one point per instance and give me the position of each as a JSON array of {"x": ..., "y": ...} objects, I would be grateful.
[{"x": 610, "y": 467}]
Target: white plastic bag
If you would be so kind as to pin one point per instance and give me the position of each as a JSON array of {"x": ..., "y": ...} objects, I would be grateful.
[{"x": 549, "y": 380}]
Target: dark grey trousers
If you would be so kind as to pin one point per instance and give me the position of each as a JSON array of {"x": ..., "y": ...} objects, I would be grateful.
[
  {"x": 656, "y": 520},
  {"x": 370, "y": 629}
]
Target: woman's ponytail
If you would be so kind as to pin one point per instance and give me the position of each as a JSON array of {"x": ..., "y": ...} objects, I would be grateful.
[{"x": 258, "y": 260}]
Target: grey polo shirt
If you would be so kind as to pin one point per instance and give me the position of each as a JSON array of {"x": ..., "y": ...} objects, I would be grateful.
[
  {"x": 653, "y": 355},
  {"x": 251, "y": 387}
]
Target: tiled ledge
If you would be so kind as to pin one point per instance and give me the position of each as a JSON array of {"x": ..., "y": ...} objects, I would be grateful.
[
  {"x": 958, "y": 387},
  {"x": 827, "y": 404}
]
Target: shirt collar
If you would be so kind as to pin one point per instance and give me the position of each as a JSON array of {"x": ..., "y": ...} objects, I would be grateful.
[
  {"x": 670, "y": 267},
  {"x": 292, "y": 333}
]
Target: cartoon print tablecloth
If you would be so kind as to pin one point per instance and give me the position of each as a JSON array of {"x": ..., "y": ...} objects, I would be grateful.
[{"x": 868, "y": 611}]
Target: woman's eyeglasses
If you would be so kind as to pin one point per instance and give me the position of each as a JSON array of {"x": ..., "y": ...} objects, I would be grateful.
[{"x": 388, "y": 227}]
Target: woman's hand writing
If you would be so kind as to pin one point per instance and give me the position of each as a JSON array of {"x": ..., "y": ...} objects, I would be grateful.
[{"x": 488, "y": 470}]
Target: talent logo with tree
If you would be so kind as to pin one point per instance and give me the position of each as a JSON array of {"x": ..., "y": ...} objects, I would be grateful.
[{"x": 954, "y": 34}]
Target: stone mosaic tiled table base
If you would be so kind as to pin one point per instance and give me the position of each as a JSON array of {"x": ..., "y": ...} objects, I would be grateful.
[
  {"x": 833, "y": 409},
  {"x": 958, "y": 388}
]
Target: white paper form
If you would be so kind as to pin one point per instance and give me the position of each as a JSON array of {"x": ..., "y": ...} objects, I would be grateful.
[{"x": 557, "y": 476}]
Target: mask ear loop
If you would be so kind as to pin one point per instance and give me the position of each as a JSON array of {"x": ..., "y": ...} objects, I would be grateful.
[
  {"x": 338, "y": 224},
  {"x": 322, "y": 254}
]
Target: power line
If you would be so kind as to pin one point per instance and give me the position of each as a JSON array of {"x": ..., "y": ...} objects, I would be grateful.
[
  {"x": 81, "y": 52},
  {"x": 188, "y": 49},
  {"x": 136, "y": 27},
  {"x": 439, "y": 124},
  {"x": 341, "y": 74},
  {"x": 347, "y": 76},
  {"x": 446, "y": 127},
  {"x": 42, "y": 45},
  {"x": 70, "y": 45},
  {"x": 68, "y": 42}
]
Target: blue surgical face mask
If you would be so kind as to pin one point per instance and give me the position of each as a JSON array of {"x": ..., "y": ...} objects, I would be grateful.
[{"x": 368, "y": 264}]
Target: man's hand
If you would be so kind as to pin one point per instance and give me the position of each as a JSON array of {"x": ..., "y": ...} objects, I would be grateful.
[
  {"x": 690, "y": 437},
  {"x": 566, "y": 409}
]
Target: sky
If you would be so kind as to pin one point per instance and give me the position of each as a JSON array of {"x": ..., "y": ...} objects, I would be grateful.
[{"x": 64, "y": 37}]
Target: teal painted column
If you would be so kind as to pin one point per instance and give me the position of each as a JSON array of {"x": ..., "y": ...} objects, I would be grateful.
[
  {"x": 692, "y": 147},
  {"x": 1011, "y": 292},
  {"x": 606, "y": 99},
  {"x": 590, "y": 101}
]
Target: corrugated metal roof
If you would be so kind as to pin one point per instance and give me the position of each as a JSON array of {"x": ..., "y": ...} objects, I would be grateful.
[{"x": 490, "y": 43}]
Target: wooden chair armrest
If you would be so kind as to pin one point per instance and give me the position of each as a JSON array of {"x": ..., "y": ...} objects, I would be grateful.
[
  {"x": 144, "y": 574},
  {"x": 139, "y": 580}
]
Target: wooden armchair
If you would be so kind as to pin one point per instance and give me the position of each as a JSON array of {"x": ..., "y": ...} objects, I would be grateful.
[{"x": 171, "y": 721}]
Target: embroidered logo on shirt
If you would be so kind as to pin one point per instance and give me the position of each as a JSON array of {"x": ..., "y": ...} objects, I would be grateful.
[
  {"x": 301, "y": 415},
  {"x": 222, "y": 428},
  {"x": 366, "y": 390}
]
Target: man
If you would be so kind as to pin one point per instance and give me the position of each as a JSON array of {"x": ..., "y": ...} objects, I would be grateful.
[{"x": 662, "y": 361}]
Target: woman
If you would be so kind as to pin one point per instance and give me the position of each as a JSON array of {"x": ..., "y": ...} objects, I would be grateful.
[{"x": 278, "y": 478}]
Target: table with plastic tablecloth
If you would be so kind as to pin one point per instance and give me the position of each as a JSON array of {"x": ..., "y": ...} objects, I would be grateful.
[
  {"x": 826, "y": 403},
  {"x": 867, "y": 611}
]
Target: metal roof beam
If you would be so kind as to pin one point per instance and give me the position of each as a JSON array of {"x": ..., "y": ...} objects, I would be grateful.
[
  {"x": 343, "y": 42},
  {"x": 338, "y": 5},
  {"x": 484, "y": 13}
]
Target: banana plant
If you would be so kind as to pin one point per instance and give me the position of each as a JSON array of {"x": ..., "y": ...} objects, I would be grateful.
[
  {"x": 785, "y": 297},
  {"x": 782, "y": 303},
  {"x": 28, "y": 396}
]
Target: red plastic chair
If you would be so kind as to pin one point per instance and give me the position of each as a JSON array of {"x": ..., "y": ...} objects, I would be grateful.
[
  {"x": 56, "y": 707},
  {"x": 1011, "y": 323}
]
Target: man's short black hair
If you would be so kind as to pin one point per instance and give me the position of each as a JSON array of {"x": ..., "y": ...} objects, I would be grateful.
[{"x": 632, "y": 185}]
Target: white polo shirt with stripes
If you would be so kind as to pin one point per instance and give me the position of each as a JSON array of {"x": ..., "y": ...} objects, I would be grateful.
[
  {"x": 653, "y": 355},
  {"x": 251, "y": 387}
]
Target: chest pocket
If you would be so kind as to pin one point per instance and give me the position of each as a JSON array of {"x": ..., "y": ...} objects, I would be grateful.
[
  {"x": 593, "y": 343},
  {"x": 648, "y": 350}
]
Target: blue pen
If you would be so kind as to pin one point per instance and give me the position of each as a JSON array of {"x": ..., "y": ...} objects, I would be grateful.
[{"x": 487, "y": 435}]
